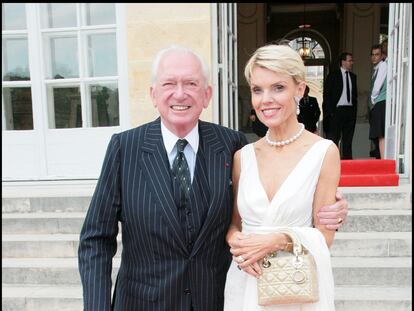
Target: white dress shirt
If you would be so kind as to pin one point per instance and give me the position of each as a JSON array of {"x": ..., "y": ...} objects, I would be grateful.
[
  {"x": 381, "y": 70},
  {"x": 342, "y": 100},
  {"x": 190, "y": 151}
]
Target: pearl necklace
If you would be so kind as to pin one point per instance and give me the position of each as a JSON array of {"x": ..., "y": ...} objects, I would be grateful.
[{"x": 284, "y": 142}]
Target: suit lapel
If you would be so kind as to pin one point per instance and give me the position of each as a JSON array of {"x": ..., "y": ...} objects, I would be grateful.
[
  {"x": 155, "y": 165},
  {"x": 215, "y": 160}
]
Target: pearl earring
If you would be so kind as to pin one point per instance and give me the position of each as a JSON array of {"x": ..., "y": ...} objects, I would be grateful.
[{"x": 297, "y": 99}]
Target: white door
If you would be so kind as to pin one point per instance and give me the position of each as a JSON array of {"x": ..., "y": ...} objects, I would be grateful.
[
  {"x": 63, "y": 88},
  {"x": 225, "y": 56},
  {"x": 398, "y": 115}
]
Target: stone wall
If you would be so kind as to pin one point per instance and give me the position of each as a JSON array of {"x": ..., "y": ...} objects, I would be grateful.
[{"x": 152, "y": 27}]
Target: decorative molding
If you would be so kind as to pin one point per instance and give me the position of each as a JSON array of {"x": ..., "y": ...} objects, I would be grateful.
[
  {"x": 297, "y": 7},
  {"x": 248, "y": 11},
  {"x": 363, "y": 6}
]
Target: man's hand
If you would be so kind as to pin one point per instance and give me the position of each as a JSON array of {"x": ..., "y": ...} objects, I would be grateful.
[{"x": 333, "y": 216}]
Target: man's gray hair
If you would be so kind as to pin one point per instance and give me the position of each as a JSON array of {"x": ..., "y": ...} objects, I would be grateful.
[{"x": 177, "y": 48}]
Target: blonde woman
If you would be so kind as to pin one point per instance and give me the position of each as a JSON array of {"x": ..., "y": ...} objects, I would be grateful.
[{"x": 282, "y": 180}]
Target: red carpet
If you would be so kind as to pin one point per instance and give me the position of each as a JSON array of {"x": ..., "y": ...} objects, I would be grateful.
[{"x": 368, "y": 173}]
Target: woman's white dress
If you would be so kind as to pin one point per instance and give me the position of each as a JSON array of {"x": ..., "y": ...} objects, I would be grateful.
[{"x": 290, "y": 207}]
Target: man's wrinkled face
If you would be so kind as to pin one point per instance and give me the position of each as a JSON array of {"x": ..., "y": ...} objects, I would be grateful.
[{"x": 180, "y": 92}]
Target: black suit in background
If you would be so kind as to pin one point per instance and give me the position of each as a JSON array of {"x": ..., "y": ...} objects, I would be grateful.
[
  {"x": 339, "y": 122},
  {"x": 158, "y": 261},
  {"x": 309, "y": 113},
  {"x": 257, "y": 126}
]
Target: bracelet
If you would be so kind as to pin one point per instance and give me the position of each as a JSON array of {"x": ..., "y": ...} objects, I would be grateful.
[{"x": 288, "y": 247}]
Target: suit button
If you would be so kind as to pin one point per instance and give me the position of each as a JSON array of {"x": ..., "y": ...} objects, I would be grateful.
[{"x": 187, "y": 291}]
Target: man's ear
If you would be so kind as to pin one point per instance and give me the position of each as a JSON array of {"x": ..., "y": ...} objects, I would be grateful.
[
  {"x": 208, "y": 93},
  {"x": 152, "y": 95}
]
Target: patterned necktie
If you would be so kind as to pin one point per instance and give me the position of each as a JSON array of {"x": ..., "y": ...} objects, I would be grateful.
[
  {"x": 348, "y": 93},
  {"x": 180, "y": 168}
]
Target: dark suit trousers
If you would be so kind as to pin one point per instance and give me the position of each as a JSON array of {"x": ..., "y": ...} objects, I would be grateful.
[{"x": 343, "y": 129}]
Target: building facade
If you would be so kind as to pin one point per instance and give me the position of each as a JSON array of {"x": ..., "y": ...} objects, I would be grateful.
[{"x": 74, "y": 74}]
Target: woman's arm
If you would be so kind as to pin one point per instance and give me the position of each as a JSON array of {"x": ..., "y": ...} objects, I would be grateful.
[{"x": 326, "y": 189}]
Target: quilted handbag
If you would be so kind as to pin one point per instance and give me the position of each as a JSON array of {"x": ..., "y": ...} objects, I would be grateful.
[{"x": 288, "y": 277}]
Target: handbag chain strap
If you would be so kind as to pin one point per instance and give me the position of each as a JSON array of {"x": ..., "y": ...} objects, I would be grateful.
[{"x": 297, "y": 250}]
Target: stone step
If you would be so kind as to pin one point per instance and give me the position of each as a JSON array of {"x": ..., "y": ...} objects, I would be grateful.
[
  {"x": 19, "y": 297},
  {"x": 375, "y": 198},
  {"x": 43, "y": 271},
  {"x": 372, "y": 244},
  {"x": 364, "y": 244},
  {"x": 378, "y": 221},
  {"x": 42, "y": 223},
  {"x": 372, "y": 271},
  {"x": 378, "y": 198},
  {"x": 71, "y": 222},
  {"x": 349, "y": 271},
  {"x": 363, "y": 298},
  {"x": 43, "y": 245},
  {"x": 45, "y": 204}
]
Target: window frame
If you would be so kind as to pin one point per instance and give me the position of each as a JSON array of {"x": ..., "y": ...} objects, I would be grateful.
[
  {"x": 224, "y": 45},
  {"x": 84, "y": 80},
  {"x": 17, "y": 34},
  {"x": 398, "y": 123}
]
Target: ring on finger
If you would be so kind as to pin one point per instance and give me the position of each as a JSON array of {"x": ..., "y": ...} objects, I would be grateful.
[
  {"x": 340, "y": 220},
  {"x": 240, "y": 259}
]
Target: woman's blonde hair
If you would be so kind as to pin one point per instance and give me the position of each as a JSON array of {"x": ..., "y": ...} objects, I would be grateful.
[{"x": 278, "y": 58}]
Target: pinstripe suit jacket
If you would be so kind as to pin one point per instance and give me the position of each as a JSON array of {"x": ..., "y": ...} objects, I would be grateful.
[{"x": 157, "y": 270}]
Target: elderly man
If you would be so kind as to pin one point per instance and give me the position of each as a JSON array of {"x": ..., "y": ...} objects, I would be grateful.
[{"x": 168, "y": 183}]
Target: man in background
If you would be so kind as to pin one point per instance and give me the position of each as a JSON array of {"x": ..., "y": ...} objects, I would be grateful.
[
  {"x": 340, "y": 105},
  {"x": 257, "y": 126},
  {"x": 377, "y": 98},
  {"x": 309, "y": 111}
]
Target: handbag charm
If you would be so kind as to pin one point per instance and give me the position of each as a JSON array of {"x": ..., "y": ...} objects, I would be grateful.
[{"x": 288, "y": 277}]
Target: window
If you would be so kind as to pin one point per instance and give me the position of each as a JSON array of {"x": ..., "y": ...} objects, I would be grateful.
[
  {"x": 17, "y": 110},
  {"x": 310, "y": 47},
  {"x": 62, "y": 95},
  {"x": 314, "y": 80},
  {"x": 80, "y": 64}
]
